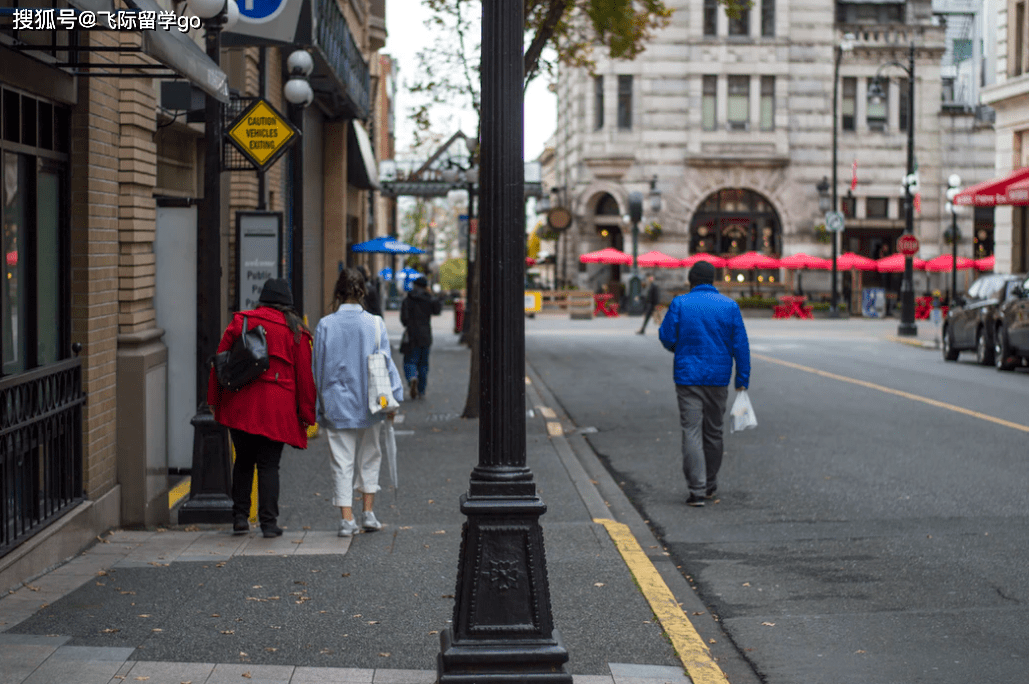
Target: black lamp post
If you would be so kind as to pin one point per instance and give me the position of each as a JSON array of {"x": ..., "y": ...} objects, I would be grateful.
[
  {"x": 825, "y": 204},
  {"x": 846, "y": 45},
  {"x": 636, "y": 305},
  {"x": 503, "y": 628},
  {"x": 907, "y": 326},
  {"x": 299, "y": 94},
  {"x": 953, "y": 188},
  {"x": 211, "y": 467}
]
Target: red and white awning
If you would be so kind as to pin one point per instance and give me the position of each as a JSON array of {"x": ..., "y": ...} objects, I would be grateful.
[{"x": 1010, "y": 189}]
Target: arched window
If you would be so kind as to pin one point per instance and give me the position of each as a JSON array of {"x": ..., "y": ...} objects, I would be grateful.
[
  {"x": 607, "y": 206},
  {"x": 733, "y": 221}
]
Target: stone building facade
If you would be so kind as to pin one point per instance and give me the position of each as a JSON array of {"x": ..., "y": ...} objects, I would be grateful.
[{"x": 731, "y": 121}]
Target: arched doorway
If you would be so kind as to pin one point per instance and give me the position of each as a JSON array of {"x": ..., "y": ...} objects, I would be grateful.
[
  {"x": 733, "y": 221},
  {"x": 607, "y": 224}
]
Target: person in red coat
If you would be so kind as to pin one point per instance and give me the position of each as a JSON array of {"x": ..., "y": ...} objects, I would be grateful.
[{"x": 273, "y": 410}]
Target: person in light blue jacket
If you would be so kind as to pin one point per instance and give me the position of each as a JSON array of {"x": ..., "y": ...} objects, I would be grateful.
[
  {"x": 342, "y": 342},
  {"x": 704, "y": 329}
]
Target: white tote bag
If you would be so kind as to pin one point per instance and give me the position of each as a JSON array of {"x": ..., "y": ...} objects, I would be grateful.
[
  {"x": 380, "y": 391},
  {"x": 742, "y": 413}
]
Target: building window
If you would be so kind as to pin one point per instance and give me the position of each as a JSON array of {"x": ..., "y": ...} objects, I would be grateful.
[
  {"x": 709, "y": 103},
  {"x": 768, "y": 103},
  {"x": 710, "y": 17},
  {"x": 877, "y": 207},
  {"x": 869, "y": 13},
  {"x": 877, "y": 111},
  {"x": 741, "y": 25},
  {"x": 738, "y": 115},
  {"x": 598, "y": 102},
  {"x": 849, "y": 102},
  {"x": 947, "y": 89},
  {"x": 1018, "y": 29},
  {"x": 847, "y": 206},
  {"x": 903, "y": 105},
  {"x": 625, "y": 103},
  {"x": 767, "y": 18}
]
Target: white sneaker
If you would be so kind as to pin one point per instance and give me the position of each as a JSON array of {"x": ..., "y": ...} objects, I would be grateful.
[
  {"x": 347, "y": 528},
  {"x": 370, "y": 523}
]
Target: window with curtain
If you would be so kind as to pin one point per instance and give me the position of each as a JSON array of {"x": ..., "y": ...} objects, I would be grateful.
[
  {"x": 767, "y": 103},
  {"x": 625, "y": 103},
  {"x": 709, "y": 102},
  {"x": 767, "y": 18},
  {"x": 710, "y": 17},
  {"x": 877, "y": 207},
  {"x": 1018, "y": 29},
  {"x": 849, "y": 103},
  {"x": 741, "y": 25},
  {"x": 877, "y": 110},
  {"x": 598, "y": 102},
  {"x": 738, "y": 102}
]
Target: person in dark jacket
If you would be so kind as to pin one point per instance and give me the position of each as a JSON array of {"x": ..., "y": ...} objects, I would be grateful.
[
  {"x": 650, "y": 299},
  {"x": 273, "y": 410},
  {"x": 371, "y": 303},
  {"x": 416, "y": 312},
  {"x": 704, "y": 329}
]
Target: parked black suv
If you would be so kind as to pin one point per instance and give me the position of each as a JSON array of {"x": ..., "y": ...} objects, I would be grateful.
[
  {"x": 1011, "y": 331},
  {"x": 972, "y": 320}
]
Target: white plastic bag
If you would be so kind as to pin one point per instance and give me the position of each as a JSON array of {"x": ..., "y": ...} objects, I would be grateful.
[
  {"x": 742, "y": 413},
  {"x": 380, "y": 392}
]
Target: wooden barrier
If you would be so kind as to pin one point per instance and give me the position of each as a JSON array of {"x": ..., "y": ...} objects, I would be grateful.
[{"x": 580, "y": 305}]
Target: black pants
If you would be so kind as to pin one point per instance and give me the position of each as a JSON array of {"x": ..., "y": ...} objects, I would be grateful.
[
  {"x": 646, "y": 317},
  {"x": 264, "y": 454}
]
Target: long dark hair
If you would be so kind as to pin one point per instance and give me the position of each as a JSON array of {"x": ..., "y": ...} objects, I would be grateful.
[
  {"x": 293, "y": 320},
  {"x": 349, "y": 285}
]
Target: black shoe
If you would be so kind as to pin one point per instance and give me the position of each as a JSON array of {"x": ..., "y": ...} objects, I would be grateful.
[
  {"x": 710, "y": 493},
  {"x": 272, "y": 531},
  {"x": 640, "y": 332},
  {"x": 695, "y": 500},
  {"x": 240, "y": 526}
]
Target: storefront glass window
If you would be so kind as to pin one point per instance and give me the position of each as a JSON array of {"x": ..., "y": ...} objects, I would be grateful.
[{"x": 12, "y": 290}]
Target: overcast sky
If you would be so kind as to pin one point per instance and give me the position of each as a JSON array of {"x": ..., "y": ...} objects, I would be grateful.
[{"x": 407, "y": 34}]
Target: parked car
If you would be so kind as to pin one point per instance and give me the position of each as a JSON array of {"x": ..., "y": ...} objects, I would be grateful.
[
  {"x": 972, "y": 319},
  {"x": 1011, "y": 331}
]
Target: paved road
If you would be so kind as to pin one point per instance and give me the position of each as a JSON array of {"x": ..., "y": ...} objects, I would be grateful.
[{"x": 873, "y": 529}]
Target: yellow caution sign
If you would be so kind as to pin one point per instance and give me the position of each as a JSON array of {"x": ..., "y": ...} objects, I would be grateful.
[
  {"x": 533, "y": 301},
  {"x": 262, "y": 134}
]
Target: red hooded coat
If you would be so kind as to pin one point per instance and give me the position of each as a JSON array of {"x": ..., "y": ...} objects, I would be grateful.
[{"x": 280, "y": 404}]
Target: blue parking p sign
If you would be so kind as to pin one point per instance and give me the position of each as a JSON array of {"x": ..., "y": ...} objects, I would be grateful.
[{"x": 260, "y": 11}]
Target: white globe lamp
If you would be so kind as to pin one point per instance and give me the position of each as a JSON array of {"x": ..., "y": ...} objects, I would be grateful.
[
  {"x": 298, "y": 92},
  {"x": 206, "y": 9},
  {"x": 231, "y": 15},
  {"x": 300, "y": 63}
]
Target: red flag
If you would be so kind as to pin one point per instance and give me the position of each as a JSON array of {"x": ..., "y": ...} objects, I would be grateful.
[
  {"x": 853, "y": 176},
  {"x": 918, "y": 202}
]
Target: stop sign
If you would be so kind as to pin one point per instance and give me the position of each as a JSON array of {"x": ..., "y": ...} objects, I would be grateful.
[{"x": 907, "y": 245}]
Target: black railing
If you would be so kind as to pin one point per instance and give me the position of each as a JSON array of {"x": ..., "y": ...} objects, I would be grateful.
[
  {"x": 40, "y": 449},
  {"x": 343, "y": 56}
]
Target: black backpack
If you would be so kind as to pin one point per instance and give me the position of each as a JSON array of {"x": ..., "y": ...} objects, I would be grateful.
[{"x": 245, "y": 361}]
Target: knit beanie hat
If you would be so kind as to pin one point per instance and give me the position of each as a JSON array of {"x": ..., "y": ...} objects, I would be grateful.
[
  {"x": 421, "y": 281},
  {"x": 702, "y": 273},
  {"x": 276, "y": 291}
]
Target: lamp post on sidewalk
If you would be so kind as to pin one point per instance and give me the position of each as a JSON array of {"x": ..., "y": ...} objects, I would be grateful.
[
  {"x": 845, "y": 45},
  {"x": 907, "y": 327},
  {"x": 211, "y": 467},
  {"x": 636, "y": 304},
  {"x": 953, "y": 188},
  {"x": 503, "y": 628},
  {"x": 299, "y": 94}
]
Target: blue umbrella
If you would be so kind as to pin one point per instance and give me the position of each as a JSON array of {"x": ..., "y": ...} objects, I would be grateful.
[
  {"x": 408, "y": 275},
  {"x": 386, "y": 245},
  {"x": 386, "y": 273}
]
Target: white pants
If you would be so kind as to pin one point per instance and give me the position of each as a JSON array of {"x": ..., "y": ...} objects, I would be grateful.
[{"x": 344, "y": 445}]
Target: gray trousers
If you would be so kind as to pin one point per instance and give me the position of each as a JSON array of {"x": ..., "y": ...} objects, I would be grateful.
[{"x": 701, "y": 412}]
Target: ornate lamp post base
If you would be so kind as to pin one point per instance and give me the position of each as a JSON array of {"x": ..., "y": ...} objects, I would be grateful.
[
  {"x": 209, "y": 501},
  {"x": 503, "y": 630}
]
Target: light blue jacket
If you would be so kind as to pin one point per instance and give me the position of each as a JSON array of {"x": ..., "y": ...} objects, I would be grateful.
[
  {"x": 705, "y": 331},
  {"x": 342, "y": 343}
]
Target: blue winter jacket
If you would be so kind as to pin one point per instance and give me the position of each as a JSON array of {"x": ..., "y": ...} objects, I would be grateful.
[{"x": 704, "y": 330}]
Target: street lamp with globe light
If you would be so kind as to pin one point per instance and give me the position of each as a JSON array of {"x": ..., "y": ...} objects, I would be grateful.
[
  {"x": 636, "y": 304},
  {"x": 298, "y": 92},
  {"x": 953, "y": 188},
  {"x": 825, "y": 205}
]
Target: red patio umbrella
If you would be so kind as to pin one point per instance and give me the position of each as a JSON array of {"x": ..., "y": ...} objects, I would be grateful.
[
  {"x": 716, "y": 261},
  {"x": 895, "y": 264},
  {"x": 751, "y": 260},
  {"x": 801, "y": 260},
  {"x": 657, "y": 259},
  {"x": 851, "y": 262},
  {"x": 608, "y": 255},
  {"x": 945, "y": 262},
  {"x": 984, "y": 264}
]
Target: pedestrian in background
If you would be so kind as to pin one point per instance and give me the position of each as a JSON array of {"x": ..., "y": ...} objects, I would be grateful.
[
  {"x": 342, "y": 342},
  {"x": 650, "y": 299},
  {"x": 372, "y": 303},
  {"x": 272, "y": 410},
  {"x": 704, "y": 329},
  {"x": 416, "y": 312}
]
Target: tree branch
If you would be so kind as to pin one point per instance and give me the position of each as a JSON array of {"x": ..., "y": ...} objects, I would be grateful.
[{"x": 543, "y": 35}]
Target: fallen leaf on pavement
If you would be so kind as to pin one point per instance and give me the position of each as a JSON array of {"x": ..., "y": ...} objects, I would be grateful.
[
  {"x": 215, "y": 614},
  {"x": 143, "y": 615},
  {"x": 157, "y": 630},
  {"x": 859, "y": 651},
  {"x": 109, "y": 630},
  {"x": 711, "y": 641},
  {"x": 247, "y": 675},
  {"x": 746, "y": 584},
  {"x": 373, "y": 622},
  {"x": 436, "y": 532},
  {"x": 699, "y": 613},
  {"x": 435, "y": 631},
  {"x": 768, "y": 624},
  {"x": 384, "y": 655},
  {"x": 598, "y": 584},
  {"x": 228, "y": 631},
  {"x": 270, "y": 649}
]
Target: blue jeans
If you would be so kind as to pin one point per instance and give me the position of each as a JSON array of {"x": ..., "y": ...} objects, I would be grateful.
[{"x": 416, "y": 364}]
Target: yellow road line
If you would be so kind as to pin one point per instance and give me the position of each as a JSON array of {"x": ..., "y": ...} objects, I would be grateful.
[
  {"x": 898, "y": 393},
  {"x": 692, "y": 650}
]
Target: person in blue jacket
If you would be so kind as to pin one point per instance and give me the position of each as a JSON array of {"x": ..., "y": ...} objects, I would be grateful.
[{"x": 704, "y": 329}]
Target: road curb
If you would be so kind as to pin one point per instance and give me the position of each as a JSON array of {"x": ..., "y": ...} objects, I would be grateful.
[{"x": 604, "y": 499}]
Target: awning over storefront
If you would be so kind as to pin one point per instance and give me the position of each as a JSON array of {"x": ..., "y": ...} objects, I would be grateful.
[
  {"x": 1010, "y": 189},
  {"x": 179, "y": 53},
  {"x": 361, "y": 170}
]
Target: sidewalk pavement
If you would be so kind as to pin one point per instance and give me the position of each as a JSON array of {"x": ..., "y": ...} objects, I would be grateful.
[{"x": 197, "y": 604}]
